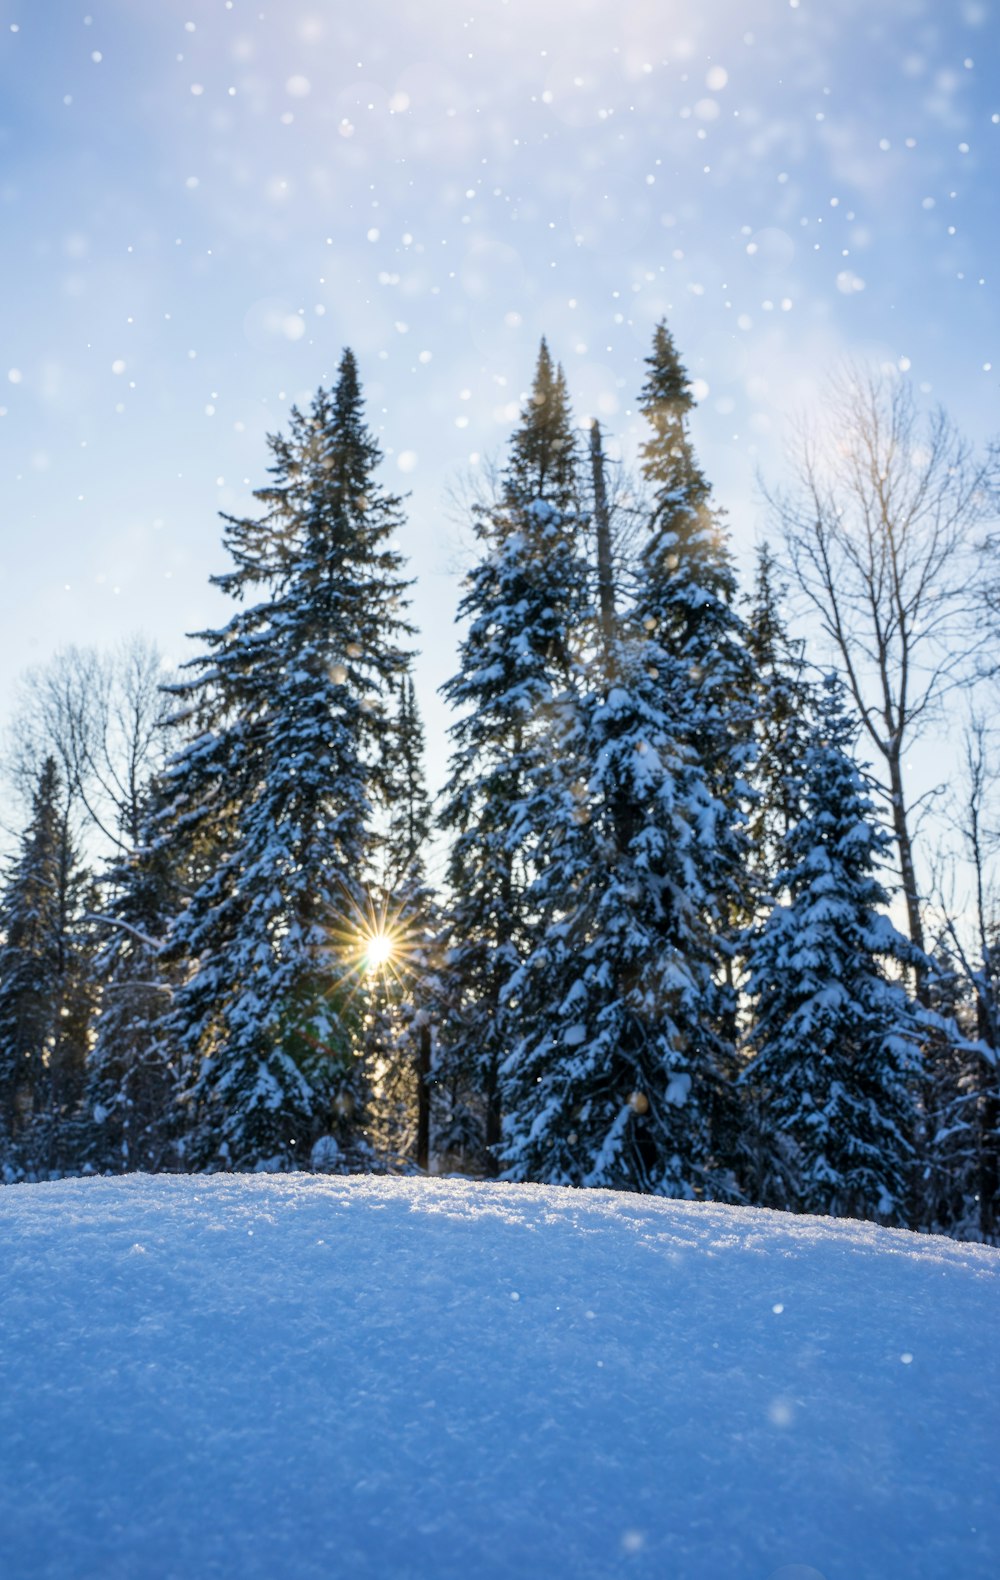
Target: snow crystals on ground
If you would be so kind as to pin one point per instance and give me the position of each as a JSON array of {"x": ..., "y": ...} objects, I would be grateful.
[{"x": 305, "y": 1376}]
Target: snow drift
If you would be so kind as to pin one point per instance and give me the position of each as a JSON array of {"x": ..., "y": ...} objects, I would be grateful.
[{"x": 307, "y": 1376}]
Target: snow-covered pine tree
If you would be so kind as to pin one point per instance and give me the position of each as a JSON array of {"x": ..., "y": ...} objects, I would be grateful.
[
  {"x": 782, "y": 723},
  {"x": 615, "y": 1079},
  {"x": 686, "y": 602},
  {"x": 29, "y": 965},
  {"x": 697, "y": 644},
  {"x": 525, "y": 602},
  {"x": 59, "y": 1134},
  {"x": 131, "y": 1075},
  {"x": 619, "y": 1076},
  {"x": 45, "y": 999},
  {"x": 408, "y": 804},
  {"x": 271, "y": 801},
  {"x": 945, "y": 1183},
  {"x": 834, "y": 1040},
  {"x": 958, "y": 1132},
  {"x": 687, "y": 587},
  {"x": 782, "y": 695}
]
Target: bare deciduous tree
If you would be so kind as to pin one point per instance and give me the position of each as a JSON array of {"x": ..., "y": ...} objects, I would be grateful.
[
  {"x": 879, "y": 528},
  {"x": 99, "y": 714}
]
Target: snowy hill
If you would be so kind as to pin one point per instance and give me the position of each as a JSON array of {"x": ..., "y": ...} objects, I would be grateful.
[{"x": 300, "y": 1376}]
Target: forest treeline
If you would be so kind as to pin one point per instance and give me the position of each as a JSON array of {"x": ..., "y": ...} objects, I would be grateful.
[{"x": 660, "y": 958}]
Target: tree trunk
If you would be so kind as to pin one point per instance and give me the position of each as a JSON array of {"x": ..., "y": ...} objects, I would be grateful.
[
  {"x": 907, "y": 871},
  {"x": 493, "y": 1121},
  {"x": 424, "y": 1097}
]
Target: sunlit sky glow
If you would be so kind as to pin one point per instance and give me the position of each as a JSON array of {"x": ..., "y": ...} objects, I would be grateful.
[{"x": 202, "y": 201}]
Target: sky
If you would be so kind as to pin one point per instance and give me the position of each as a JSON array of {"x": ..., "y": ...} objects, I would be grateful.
[{"x": 203, "y": 201}]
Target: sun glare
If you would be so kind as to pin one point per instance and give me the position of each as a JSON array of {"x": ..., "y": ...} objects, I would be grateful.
[
  {"x": 379, "y": 951},
  {"x": 375, "y": 944}
]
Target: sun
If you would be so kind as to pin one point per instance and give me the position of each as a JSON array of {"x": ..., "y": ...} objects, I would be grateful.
[
  {"x": 379, "y": 950},
  {"x": 377, "y": 944}
]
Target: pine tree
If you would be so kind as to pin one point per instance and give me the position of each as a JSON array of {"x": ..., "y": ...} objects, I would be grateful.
[
  {"x": 834, "y": 1040},
  {"x": 271, "y": 801},
  {"x": 697, "y": 645},
  {"x": 688, "y": 587},
  {"x": 59, "y": 1132},
  {"x": 958, "y": 1132},
  {"x": 408, "y": 805},
  {"x": 945, "y": 1184},
  {"x": 45, "y": 1001},
  {"x": 29, "y": 963},
  {"x": 616, "y": 1077},
  {"x": 131, "y": 1073},
  {"x": 620, "y": 1076},
  {"x": 782, "y": 697},
  {"x": 525, "y": 602}
]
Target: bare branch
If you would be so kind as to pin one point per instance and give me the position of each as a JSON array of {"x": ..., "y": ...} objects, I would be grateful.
[{"x": 879, "y": 530}]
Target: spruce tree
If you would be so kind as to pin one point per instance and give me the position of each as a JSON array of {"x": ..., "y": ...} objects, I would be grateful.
[
  {"x": 29, "y": 964},
  {"x": 408, "y": 807},
  {"x": 524, "y": 602},
  {"x": 781, "y": 694},
  {"x": 45, "y": 999},
  {"x": 834, "y": 1039},
  {"x": 621, "y": 1074},
  {"x": 687, "y": 588},
  {"x": 271, "y": 801},
  {"x": 59, "y": 1132},
  {"x": 696, "y": 643},
  {"x": 958, "y": 1138},
  {"x": 617, "y": 1075},
  {"x": 131, "y": 1073},
  {"x": 945, "y": 1184}
]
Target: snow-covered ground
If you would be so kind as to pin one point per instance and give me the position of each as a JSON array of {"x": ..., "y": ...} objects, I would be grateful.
[{"x": 309, "y": 1376}]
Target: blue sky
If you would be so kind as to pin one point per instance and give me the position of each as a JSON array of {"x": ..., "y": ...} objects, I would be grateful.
[{"x": 202, "y": 201}]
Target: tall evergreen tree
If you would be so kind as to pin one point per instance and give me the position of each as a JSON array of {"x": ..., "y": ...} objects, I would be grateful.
[
  {"x": 45, "y": 999},
  {"x": 621, "y": 1073},
  {"x": 408, "y": 804},
  {"x": 687, "y": 591},
  {"x": 945, "y": 1184},
  {"x": 616, "y": 1077},
  {"x": 781, "y": 694},
  {"x": 29, "y": 963},
  {"x": 271, "y": 800},
  {"x": 834, "y": 1040},
  {"x": 958, "y": 1134},
  {"x": 697, "y": 644},
  {"x": 525, "y": 601},
  {"x": 132, "y": 1072}
]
